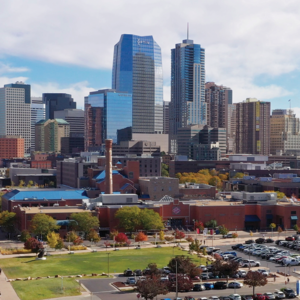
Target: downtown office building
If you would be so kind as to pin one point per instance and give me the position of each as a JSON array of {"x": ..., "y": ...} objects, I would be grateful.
[
  {"x": 15, "y": 112},
  {"x": 137, "y": 70},
  {"x": 187, "y": 106}
]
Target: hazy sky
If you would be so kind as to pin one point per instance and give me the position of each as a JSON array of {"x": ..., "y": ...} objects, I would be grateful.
[{"x": 67, "y": 45}]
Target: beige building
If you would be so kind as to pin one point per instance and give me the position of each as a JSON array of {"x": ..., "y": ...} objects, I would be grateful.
[
  {"x": 48, "y": 134},
  {"x": 156, "y": 188},
  {"x": 285, "y": 132}
]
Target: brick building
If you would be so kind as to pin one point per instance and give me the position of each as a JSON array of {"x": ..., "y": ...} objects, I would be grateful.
[{"x": 11, "y": 146}]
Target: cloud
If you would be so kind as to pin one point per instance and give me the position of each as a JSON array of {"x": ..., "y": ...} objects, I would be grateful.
[
  {"x": 243, "y": 39},
  {"x": 296, "y": 111},
  {"x": 5, "y": 68}
]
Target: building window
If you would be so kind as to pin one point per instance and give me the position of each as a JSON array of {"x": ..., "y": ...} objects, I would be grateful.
[
  {"x": 293, "y": 212},
  {"x": 130, "y": 175}
]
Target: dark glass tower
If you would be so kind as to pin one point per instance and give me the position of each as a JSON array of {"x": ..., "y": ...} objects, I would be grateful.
[
  {"x": 55, "y": 102},
  {"x": 187, "y": 105},
  {"x": 137, "y": 69}
]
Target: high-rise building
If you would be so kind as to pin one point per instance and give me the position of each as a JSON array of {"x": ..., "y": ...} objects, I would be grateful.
[
  {"x": 187, "y": 105},
  {"x": 57, "y": 101},
  {"x": 15, "y": 112},
  {"x": 38, "y": 112},
  {"x": 253, "y": 127},
  {"x": 137, "y": 69},
  {"x": 111, "y": 111},
  {"x": 231, "y": 128},
  {"x": 166, "y": 113},
  {"x": 75, "y": 117},
  {"x": 285, "y": 132},
  {"x": 48, "y": 134},
  {"x": 11, "y": 147}
]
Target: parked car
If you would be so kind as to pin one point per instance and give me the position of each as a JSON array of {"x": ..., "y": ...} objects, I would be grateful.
[
  {"x": 264, "y": 272},
  {"x": 229, "y": 235},
  {"x": 235, "y": 247},
  {"x": 269, "y": 240},
  {"x": 235, "y": 297},
  {"x": 269, "y": 296},
  {"x": 249, "y": 242},
  {"x": 128, "y": 273},
  {"x": 213, "y": 298},
  {"x": 247, "y": 297},
  {"x": 208, "y": 285},
  {"x": 242, "y": 273},
  {"x": 219, "y": 285},
  {"x": 198, "y": 287},
  {"x": 138, "y": 272},
  {"x": 236, "y": 285},
  {"x": 260, "y": 241},
  {"x": 289, "y": 293},
  {"x": 278, "y": 241},
  {"x": 224, "y": 298},
  {"x": 290, "y": 238},
  {"x": 259, "y": 297},
  {"x": 131, "y": 280},
  {"x": 249, "y": 263},
  {"x": 290, "y": 262},
  {"x": 188, "y": 298},
  {"x": 279, "y": 294}
]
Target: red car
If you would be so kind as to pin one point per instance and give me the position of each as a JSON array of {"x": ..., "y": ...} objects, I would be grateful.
[
  {"x": 290, "y": 238},
  {"x": 259, "y": 297}
]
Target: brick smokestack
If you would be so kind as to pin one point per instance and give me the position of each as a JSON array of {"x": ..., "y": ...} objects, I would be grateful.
[{"x": 108, "y": 167}]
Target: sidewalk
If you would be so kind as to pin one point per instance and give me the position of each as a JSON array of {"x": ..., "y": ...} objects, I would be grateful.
[{"x": 6, "y": 289}]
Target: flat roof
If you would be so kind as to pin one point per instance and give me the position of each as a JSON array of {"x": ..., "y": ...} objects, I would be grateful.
[{"x": 46, "y": 210}]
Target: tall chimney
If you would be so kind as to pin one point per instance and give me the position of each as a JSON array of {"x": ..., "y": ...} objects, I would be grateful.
[{"x": 108, "y": 167}]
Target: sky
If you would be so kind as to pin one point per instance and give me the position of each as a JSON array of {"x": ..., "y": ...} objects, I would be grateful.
[{"x": 67, "y": 46}]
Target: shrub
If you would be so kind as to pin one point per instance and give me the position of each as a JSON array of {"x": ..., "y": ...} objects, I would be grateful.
[
  {"x": 169, "y": 238},
  {"x": 78, "y": 241},
  {"x": 71, "y": 236},
  {"x": 14, "y": 251},
  {"x": 78, "y": 247},
  {"x": 189, "y": 239}
]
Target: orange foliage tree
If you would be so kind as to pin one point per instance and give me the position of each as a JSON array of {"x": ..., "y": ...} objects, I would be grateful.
[{"x": 141, "y": 237}]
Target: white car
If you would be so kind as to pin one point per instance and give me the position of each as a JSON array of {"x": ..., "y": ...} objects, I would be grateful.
[
  {"x": 279, "y": 295},
  {"x": 290, "y": 261},
  {"x": 235, "y": 284},
  {"x": 235, "y": 297},
  {"x": 264, "y": 272},
  {"x": 242, "y": 273},
  {"x": 213, "y": 298},
  {"x": 249, "y": 263}
]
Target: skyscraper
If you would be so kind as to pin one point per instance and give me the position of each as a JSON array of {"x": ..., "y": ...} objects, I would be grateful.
[
  {"x": 187, "y": 105},
  {"x": 75, "y": 117},
  {"x": 253, "y": 127},
  {"x": 109, "y": 109},
  {"x": 137, "y": 69},
  {"x": 38, "y": 112},
  {"x": 57, "y": 101},
  {"x": 15, "y": 111},
  {"x": 285, "y": 132}
]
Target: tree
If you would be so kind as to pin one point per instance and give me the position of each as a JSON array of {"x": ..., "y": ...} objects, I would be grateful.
[
  {"x": 215, "y": 181},
  {"x": 235, "y": 235},
  {"x": 149, "y": 219},
  {"x": 151, "y": 287},
  {"x": 169, "y": 238},
  {"x": 60, "y": 244},
  {"x": 121, "y": 238},
  {"x": 239, "y": 175},
  {"x": 184, "y": 266},
  {"x": 189, "y": 239},
  {"x": 225, "y": 268},
  {"x": 153, "y": 271},
  {"x": 199, "y": 225},
  {"x": 164, "y": 170},
  {"x": 280, "y": 195},
  {"x": 254, "y": 279},
  {"x": 161, "y": 235},
  {"x": 21, "y": 183},
  {"x": 7, "y": 220},
  {"x": 128, "y": 243},
  {"x": 113, "y": 234},
  {"x": 132, "y": 218},
  {"x": 30, "y": 182},
  {"x": 52, "y": 239},
  {"x": 93, "y": 235},
  {"x": 184, "y": 284},
  {"x": 195, "y": 246},
  {"x": 71, "y": 236},
  {"x": 141, "y": 237},
  {"x": 78, "y": 241},
  {"x": 223, "y": 230},
  {"x": 296, "y": 228},
  {"x": 251, "y": 233},
  {"x": 42, "y": 224},
  {"x": 25, "y": 235},
  {"x": 85, "y": 222},
  {"x": 33, "y": 244},
  {"x": 128, "y": 217},
  {"x": 107, "y": 244},
  {"x": 179, "y": 234},
  {"x": 279, "y": 230},
  {"x": 211, "y": 224}
]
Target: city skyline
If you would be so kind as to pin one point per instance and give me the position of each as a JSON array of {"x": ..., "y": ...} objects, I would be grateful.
[{"x": 243, "y": 50}]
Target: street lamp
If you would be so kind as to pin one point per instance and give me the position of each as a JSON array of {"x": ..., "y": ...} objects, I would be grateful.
[
  {"x": 176, "y": 281},
  {"x": 234, "y": 285},
  {"x": 108, "y": 253}
]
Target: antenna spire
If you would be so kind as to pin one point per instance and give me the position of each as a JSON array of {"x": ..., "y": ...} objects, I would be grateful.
[{"x": 188, "y": 30}]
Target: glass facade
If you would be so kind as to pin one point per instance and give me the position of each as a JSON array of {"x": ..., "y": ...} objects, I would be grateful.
[
  {"x": 38, "y": 112},
  {"x": 137, "y": 69},
  {"x": 117, "y": 111},
  {"x": 187, "y": 105}
]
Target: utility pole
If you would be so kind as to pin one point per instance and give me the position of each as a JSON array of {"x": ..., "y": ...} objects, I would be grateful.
[
  {"x": 108, "y": 253},
  {"x": 176, "y": 280}
]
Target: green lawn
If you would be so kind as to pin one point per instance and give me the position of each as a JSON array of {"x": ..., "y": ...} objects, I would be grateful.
[
  {"x": 46, "y": 288},
  {"x": 87, "y": 263}
]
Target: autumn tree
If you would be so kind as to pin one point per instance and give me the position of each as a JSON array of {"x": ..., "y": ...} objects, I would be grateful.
[
  {"x": 84, "y": 221},
  {"x": 141, "y": 237},
  {"x": 226, "y": 268},
  {"x": 113, "y": 234},
  {"x": 121, "y": 238},
  {"x": 41, "y": 224},
  {"x": 215, "y": 181},
  {"x": 152, "y": 270},
  {"x": 279, "y": 230},
  {"x": 179, "y": 235},
  {"x": 195, "y": 246},
  {"x": 184, "y": 284},
  {"x": 78, "y": 241},
  {"x": 8, "y": 220},
  {"x": 223, "y": 230},
  {"x": 169, "y": 238},
  {"x": 71, "y": 236},
  {"x": 60, "y": 244},
  {"x": 52, "y": 239},
  {"x": 235, "y": 235},
  {"x": 25, "y": 235},
  {"x": 189, "y": 239},
  {"x": 33, "y": 244},
  {"x": 296, "y": 228},
  {"x": 93, "y": 236},
  {"x": 107, "y": 244},
  {"x": 149, "y": 288},
  {"x": 199, "y": 225},
  {"x": 184, "y": 266},
  {"x": 239, "y": 175},
  {"x": 254, "y": 279},
  {"x": 161, "y": 235}
]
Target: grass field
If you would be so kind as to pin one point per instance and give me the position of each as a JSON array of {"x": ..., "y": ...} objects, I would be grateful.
[
  {"x": 46, "y": 288},
  {"x": 87, "y": 263}
]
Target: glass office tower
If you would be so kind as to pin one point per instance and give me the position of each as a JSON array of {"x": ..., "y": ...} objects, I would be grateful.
[
  {"x": 187, "y": 106},
  {"x": 115, "y": 113},
  {"x": 38, "y": 113},
  {"x": 137, "y": 69}
]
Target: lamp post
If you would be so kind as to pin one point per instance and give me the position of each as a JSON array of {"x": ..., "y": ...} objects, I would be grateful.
[
  {"x": 176, "y": 281},
  {"x": 62, "y": 284},
  {"x": 108, "y": 253},
  {"x": 234, "y": 285}
]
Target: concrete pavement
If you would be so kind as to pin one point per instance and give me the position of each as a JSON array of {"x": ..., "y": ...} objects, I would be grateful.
[{"x": 6, "y": 289}]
